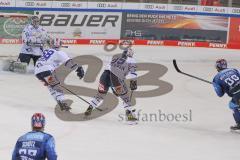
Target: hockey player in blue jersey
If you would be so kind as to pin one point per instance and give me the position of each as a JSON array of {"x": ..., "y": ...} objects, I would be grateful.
[
  {"x": 35, "y": 145},
  {"x": 228, "y": 81}
]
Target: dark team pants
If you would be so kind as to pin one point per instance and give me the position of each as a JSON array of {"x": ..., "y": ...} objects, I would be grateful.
[
  {"x": 42, "y": 75},
  {"x": 118, "y": 86},
  {"x": 108, "y": 79},
  {"x": 25, "y": 58},
  {"x": 235, "y": 106}
]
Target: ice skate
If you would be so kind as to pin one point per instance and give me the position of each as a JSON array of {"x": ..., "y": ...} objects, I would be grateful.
[
  {"x": 63, "y": 106},
  {"x": 236, "y": 127},
  {"x": 130, "y": 117},
  {"x": 89, "y": 110}
]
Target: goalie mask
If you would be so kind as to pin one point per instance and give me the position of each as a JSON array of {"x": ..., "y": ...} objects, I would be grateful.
[
  {"x": 35, "y": 21},
  {"x": 128, "y": 52}
]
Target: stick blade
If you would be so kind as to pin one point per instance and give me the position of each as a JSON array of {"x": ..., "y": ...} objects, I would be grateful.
[{"x": 175, "y": 66}]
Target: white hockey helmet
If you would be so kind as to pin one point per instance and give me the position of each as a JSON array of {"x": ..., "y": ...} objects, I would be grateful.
[
  {"x": 55, "y": 43},
  {"x": 35, "y": 21}
]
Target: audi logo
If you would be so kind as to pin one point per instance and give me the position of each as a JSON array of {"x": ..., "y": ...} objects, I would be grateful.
[
  {"x": 101, "y": 5},
  {"x": 65, "y": 5},
  {"x": 208, "y": 9},
  {"x": 29, "y": 3},
  {"x": 149, "y": 6},
  {"x": 236, "y": 11},
  {"x": 179, "y": 8}
]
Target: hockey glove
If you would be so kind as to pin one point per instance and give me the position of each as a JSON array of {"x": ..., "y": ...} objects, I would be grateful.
[
  {"x": 133, "y": 84},
  {"x": 80, "y": 72}
]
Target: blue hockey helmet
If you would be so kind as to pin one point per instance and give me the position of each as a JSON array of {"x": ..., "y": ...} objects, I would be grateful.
[
  {"x": 221, "y": 64},
  {"x": 38, "y": 120}
]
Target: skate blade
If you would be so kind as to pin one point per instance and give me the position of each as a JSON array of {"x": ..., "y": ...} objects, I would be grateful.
[
  {"x": 235, "y": 131},
  {"x": 131, "y": 122}
]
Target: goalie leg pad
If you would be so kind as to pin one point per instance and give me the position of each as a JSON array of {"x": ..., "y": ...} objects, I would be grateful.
[{"x": 14, "y": 66}]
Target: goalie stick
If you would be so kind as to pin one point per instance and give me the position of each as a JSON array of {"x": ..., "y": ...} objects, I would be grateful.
[{"x": 179, "y": 71}]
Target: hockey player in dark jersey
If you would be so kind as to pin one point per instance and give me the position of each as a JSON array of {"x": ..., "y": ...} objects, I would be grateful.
[
  {"x": 36, "y": 144},
  {"x": 228, "y": 81}
]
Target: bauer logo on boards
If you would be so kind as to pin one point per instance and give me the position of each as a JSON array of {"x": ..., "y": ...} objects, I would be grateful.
[{"x": 76, "y": 20}]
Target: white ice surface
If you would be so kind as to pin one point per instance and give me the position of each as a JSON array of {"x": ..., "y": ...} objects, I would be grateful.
[{"x": 206, "y": 137}]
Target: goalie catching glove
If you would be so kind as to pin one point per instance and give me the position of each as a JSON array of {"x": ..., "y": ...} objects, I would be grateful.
[
  {"x": 80, "y": 72},
  {"x": 133, "y": 84}
]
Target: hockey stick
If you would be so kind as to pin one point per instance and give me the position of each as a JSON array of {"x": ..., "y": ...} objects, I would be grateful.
[
  {"x": 179, "y": 71},
  {"x": 79, "y": 97},
  {"x": 42, "y": 44},
  {"x": 131, "y": 95}
]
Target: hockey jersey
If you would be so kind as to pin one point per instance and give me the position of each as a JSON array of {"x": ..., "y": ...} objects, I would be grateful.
[
  {"x": 35, "y": 145},
  {"x": 50, "y": 60},
  {"x": 30, "y": 36},
  {"x": 227, "y": 81},
  {"x": 122, "y": 67}
]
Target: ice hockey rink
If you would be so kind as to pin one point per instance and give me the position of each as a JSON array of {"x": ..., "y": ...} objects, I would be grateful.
[{"x": 204, "y": 136}]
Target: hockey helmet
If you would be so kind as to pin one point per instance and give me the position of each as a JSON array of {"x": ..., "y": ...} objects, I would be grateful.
[
  {"x": 35, "y": 21},
  {"x": 38, "y": 120},
  {"x": 221, "y": 64},
  {"x": 55, "y": 43},
  {"x": 128, "y": 52}
]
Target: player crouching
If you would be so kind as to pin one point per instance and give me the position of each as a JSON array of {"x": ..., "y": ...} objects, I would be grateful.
[
  {"x": 47, "y": 64},
  {"x": 228, "y": 81},
  {"x": 114, "y": 76}
]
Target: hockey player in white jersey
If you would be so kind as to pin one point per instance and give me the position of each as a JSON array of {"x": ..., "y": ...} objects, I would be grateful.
[
  {"x": 114, "y": 76},
  {"x": 45, "y": 70},
  {"x": 33, "y": 38}
]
